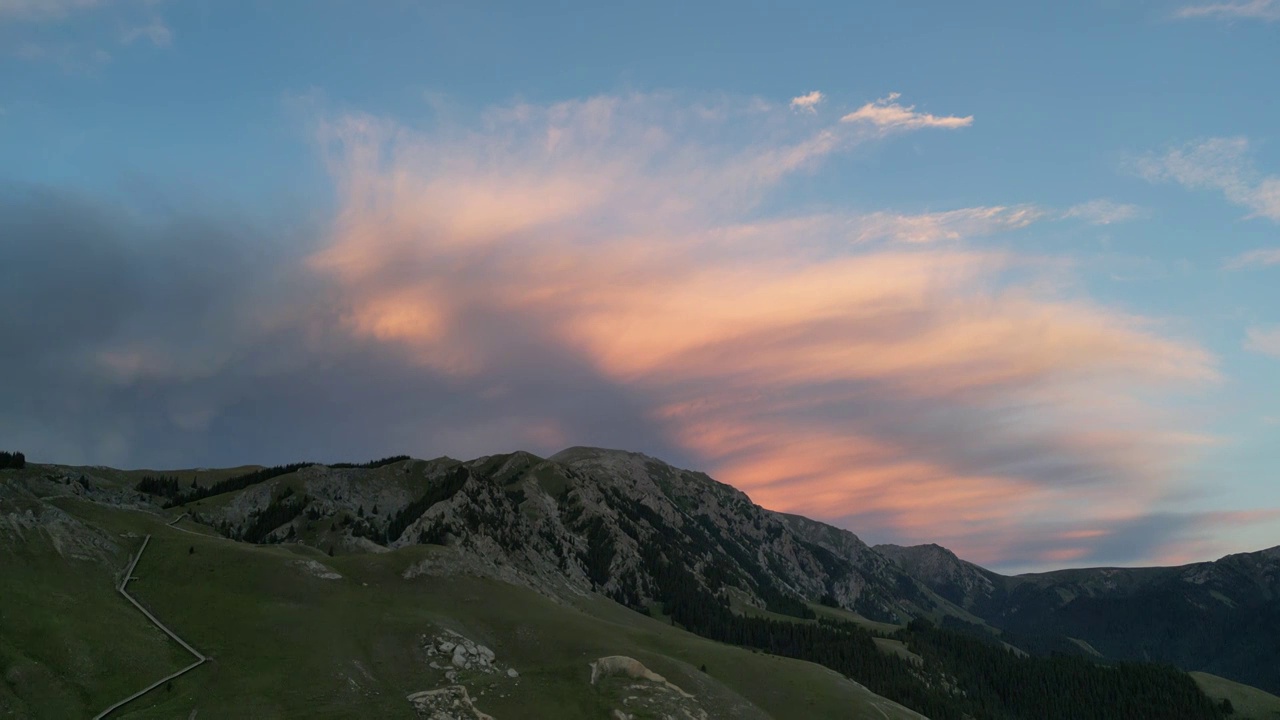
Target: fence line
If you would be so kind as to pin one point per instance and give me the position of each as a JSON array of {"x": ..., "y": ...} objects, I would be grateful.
[{"x": 200, "y": 657}]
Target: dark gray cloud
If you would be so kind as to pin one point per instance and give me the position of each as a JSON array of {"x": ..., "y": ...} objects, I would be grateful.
[{"x": 185, "y": 340}]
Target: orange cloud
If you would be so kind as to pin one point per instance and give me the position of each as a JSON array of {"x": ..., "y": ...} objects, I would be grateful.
[{"x": 808, "y": 360}]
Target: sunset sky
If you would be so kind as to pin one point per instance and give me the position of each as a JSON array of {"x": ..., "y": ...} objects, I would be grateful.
[{"x": 1003, "y": 276}]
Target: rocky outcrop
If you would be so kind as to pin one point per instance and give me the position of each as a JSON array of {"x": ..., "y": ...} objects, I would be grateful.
[
  {"x": 454, "y": 653},
  {"x": 446, "y": 703},
  {"x": 642, "y": 692},
  {"x": 24, "y": 512},
  {"x": 318, "y": 569},
  {"x": 631, "y": 668}
]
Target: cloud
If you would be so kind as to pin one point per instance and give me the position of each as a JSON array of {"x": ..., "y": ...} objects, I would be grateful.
[
  {"x": 1103, "y": 212},
  {"x": 1263, "y": 340},
  {"x": 603, "y": 271},
  {"x": 156, "y": 31},
  {"x": 807, "y": 102},
  {"x": 887, "y": 114},
  {"x": 42, "y": 9},
  {"x": 948, "y": 225},
  {"x": 1218, "y": 164},
  {"x": 1261, "y": 256},
  {"x": 1251, "y": 9},
  {"x": 822, "y": 363},
  {"x": 951, "y": 225}
]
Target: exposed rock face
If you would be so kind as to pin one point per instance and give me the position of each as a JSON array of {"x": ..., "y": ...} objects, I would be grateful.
[
  {"x": 959, "y": 581},
  {"x": 642, "y": 692},
  {"x": 23, "y": 512},
  {"x": 590, "y": 520}
]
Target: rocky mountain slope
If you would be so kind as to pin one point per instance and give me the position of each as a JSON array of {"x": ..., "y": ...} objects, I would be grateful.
[
  {"x": 583, "y": 520},
  {"x": 1221, "y": 617}
]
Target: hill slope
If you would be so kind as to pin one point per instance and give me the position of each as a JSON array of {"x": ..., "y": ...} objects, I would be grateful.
[{"x": 293, "y": 632}]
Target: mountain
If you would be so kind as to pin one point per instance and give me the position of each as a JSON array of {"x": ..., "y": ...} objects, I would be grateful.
[
  {"x": 1221, "y": 617},
  {"x": 363, "y": 575},
  {"x": 583, "y": 520},
  {"x": 347, "y": 626}
]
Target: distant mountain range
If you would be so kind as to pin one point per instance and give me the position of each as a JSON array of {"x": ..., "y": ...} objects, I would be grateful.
[{"x": 1221, "y": 617}]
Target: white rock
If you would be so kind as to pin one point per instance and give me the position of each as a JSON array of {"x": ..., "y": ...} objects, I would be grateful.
[
  {"x": 446, "y": 646},
  {"x": 511, "y": 673}
]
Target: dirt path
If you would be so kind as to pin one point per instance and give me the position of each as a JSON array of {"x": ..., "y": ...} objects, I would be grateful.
[{"x": 200, "y": 658}]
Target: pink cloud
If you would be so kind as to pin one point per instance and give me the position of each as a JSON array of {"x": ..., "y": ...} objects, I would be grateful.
[
  {"x": 949, "y": 391},
  {"x": 807, "y": 102},
  {"x": 887, "y": 114}
]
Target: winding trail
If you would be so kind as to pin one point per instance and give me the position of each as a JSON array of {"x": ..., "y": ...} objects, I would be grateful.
[{"x": 200, "y": 657}]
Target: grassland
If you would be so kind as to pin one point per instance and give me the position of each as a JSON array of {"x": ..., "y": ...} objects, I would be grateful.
[{"x": 1249, "y": 702}]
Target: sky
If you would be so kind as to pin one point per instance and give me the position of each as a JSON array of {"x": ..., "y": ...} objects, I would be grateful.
[{"x": 1002, "y": 276}]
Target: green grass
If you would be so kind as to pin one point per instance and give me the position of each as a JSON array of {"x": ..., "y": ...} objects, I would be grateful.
[
  {"x": 1249, "y": 702},
  {"x": 853, "y": 617},
  {"x": 66, "y": 635},
  {"x": 286, "y": 644}
]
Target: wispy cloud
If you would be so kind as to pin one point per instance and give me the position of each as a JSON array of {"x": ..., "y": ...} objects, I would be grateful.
[
  {"x": 1222, "y": 164},
  {"x": 1263, "y": 340},
  {"x": 1249, "y": 9},
  {"x": 948, "y": 225},
  {"x": 886, "y": 113},
  {"x": 807, "y": 102},
  {"x": 951, "y": 225},
  {"x": 1103, "y": 212},
  {"x": 156, "y": 31},
  {"x": 826, "y": 364},
  {"x": 42, "y": 9},
  {"x": 1260, "y": 257}
]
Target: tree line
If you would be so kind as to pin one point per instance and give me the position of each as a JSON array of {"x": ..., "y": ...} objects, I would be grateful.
[{"x": 12, "y": 461}]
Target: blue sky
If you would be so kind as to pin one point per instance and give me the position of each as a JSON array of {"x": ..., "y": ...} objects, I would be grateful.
[{"x": 1002, "y": 276}]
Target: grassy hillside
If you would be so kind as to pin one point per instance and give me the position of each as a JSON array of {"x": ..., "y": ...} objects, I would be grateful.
[
  {"x": 65, "y": 633},
  {"x": 285, "y": 642},
  {"x": 1249, "y": 702}
]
